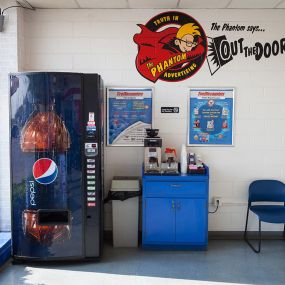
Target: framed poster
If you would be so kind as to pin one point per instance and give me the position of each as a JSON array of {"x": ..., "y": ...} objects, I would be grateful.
[
  {"x": 129, "y": 113},
  {"x": 211, "y": 116}
]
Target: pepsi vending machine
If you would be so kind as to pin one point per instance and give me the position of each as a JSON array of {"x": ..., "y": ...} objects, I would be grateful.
[{"x": 56, "y": 165}]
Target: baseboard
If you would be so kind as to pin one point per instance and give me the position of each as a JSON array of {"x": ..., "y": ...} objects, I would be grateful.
[
  {"x": 238, "y": 235},
  {"x": 221, "y": 235}
]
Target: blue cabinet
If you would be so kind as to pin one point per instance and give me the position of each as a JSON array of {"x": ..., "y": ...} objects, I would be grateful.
[
  {"x": 191, "y": 220},
  {"x": 175, "y": 211},
  {"x": 159, "y": 225}
]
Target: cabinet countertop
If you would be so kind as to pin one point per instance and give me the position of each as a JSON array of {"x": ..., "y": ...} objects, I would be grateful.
[{"x": 180, "y": 177}]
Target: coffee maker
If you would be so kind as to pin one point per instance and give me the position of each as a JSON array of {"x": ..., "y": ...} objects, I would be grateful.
[{"x": 152, "y": 152}]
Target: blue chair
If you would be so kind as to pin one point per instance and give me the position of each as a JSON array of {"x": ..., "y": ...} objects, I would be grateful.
[{"x": 266, "y": 191}]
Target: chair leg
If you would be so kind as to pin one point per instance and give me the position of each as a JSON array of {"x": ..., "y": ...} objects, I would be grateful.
[
  {"x": 259, "y": 235},
  {"x": 246, "y": 222}
]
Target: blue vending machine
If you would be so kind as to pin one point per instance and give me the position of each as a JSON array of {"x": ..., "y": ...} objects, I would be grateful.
[{"x": 56, "y": 166}]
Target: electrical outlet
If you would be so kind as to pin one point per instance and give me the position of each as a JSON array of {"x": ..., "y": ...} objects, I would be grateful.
[{"x": 217, "y": 201}]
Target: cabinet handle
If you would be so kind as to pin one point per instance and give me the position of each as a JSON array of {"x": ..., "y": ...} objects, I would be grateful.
[{"x": 176, "y": 185}]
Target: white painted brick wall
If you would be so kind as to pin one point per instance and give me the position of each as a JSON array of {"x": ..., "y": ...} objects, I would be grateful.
[
  {"x": 8, "y": 63},
  {"x": 101, "y": 41},
  {"x": 20, "y": 39}
]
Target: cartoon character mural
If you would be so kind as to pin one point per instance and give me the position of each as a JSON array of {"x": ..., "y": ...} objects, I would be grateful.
[
  {"x": 187, "y": 38},
  {"x": 172, "y": 46}
]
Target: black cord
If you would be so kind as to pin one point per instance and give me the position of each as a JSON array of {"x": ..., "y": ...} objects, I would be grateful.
[
  {"x": 216, "y": 208},
  {"x": 10, "y": 7},
  {"x": 19, "y": 6}
]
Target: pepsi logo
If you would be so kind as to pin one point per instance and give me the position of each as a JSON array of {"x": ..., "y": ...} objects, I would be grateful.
[{"x": 45, "y": 171}]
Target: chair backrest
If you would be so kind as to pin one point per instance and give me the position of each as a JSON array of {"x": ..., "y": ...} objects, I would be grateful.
[{"x": 266, "y": 190}]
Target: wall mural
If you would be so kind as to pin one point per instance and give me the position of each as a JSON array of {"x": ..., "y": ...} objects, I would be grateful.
[
  {"x": 221, "y": 51},
  {"x": 172, "y": 46}
]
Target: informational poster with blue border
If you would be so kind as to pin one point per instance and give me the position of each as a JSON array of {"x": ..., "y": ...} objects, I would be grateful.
[
  {"x": 129, "y": 113},
  {"x": 211, "y": 116}
]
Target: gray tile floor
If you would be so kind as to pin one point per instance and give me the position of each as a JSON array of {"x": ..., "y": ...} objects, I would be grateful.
[{"x": 226, "y": 262}]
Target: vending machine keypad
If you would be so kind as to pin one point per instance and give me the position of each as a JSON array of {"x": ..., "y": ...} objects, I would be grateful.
[{"x": 91, "y": 151}]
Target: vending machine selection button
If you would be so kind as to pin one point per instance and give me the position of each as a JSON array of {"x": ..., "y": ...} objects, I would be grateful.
[
  {"x": 91, "y": 176},
  {"x": 90, "y": 182},
  {"x": 91, "y": 188},
  {"x": 91, "y": 204},
  {"x": 90, "y": 165},
  {"x": 90, "y": 171},
  {"x": 90, "y": 160},
  {"x": 90, "y": 193},
  {"x": 91, "y": 199}
]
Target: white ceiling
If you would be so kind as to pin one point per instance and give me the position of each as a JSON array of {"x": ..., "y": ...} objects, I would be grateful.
[{"x": 158, "y": 4}]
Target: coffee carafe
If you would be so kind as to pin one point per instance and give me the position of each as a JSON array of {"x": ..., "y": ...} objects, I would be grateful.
[{"x": 169, "y": 165}]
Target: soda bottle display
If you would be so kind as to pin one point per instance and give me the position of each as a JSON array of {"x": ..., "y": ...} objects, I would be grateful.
[{"x": 45, "y": 140}]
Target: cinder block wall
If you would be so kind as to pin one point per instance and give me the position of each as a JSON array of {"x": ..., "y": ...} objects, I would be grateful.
[
  {"x": 8, "y": 63},
  {"x": 101, "y": 41}
]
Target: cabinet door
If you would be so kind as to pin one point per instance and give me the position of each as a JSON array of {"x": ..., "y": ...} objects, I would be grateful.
[
  {"x": 191, "y": 220},
  {"x": 159, "y": 223}
]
